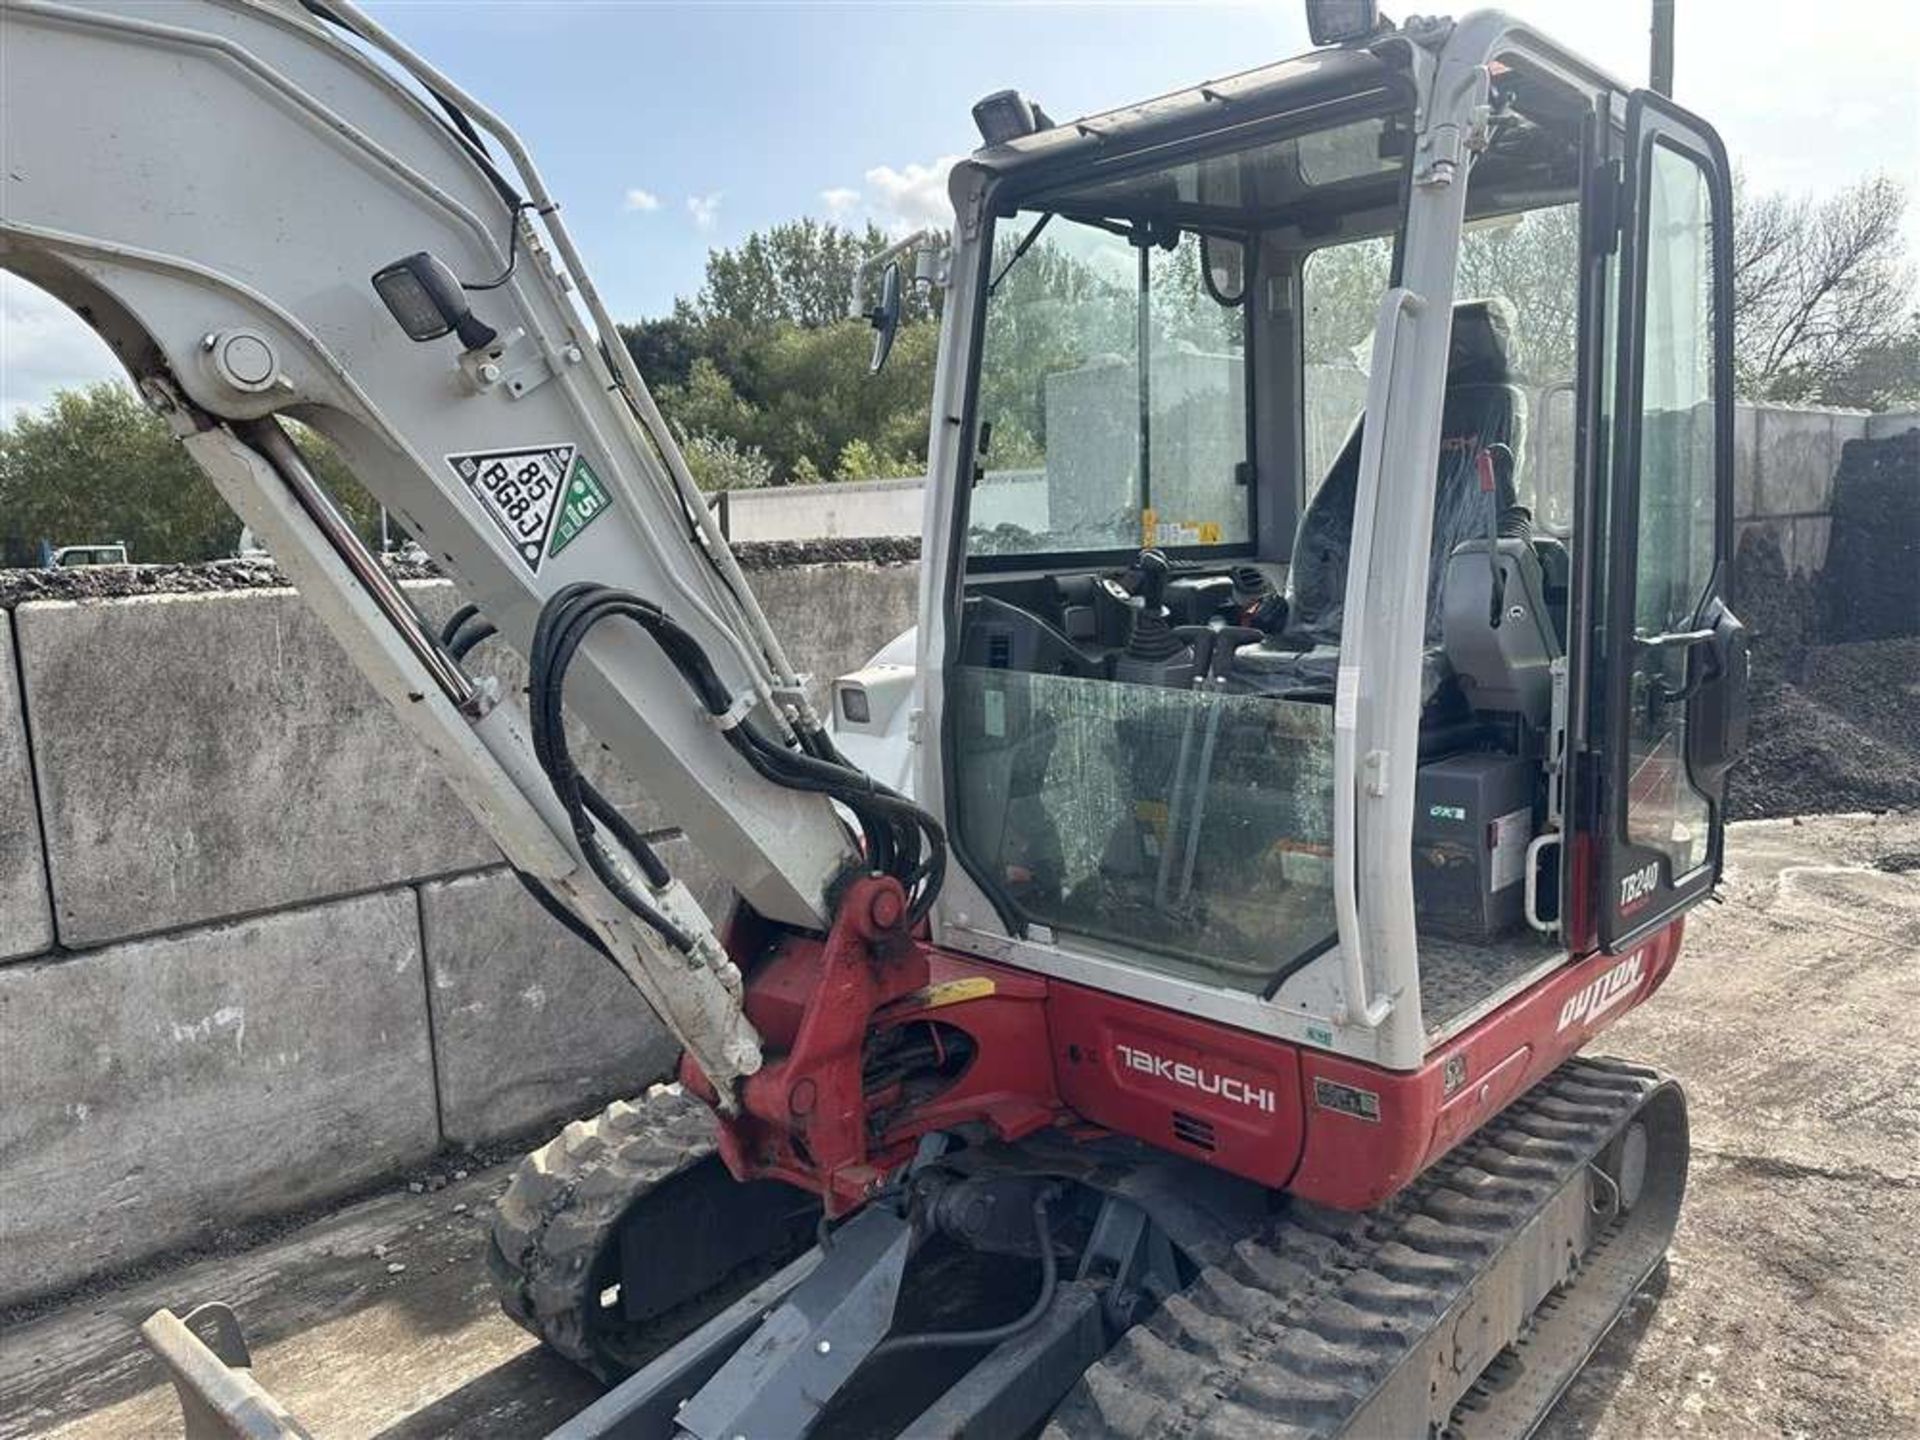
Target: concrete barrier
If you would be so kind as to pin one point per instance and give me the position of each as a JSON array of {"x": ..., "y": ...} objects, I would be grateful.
[
  {"x": 840, "y": 508},
  {"x": 161, "y": 1091},
  {"x": 278, "y": 960},
  {"x": 207, "y": 756},
  {"x": 26, "y": 927},
  {"x": 528, "y": 1023},
  {"x": 833, "y": 618}
]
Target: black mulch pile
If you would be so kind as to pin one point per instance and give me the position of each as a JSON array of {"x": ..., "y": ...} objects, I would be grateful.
[{"x": 1836, "y": 658}]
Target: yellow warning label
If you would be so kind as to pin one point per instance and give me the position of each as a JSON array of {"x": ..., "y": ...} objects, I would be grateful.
[{"x": 953, "y": 992}]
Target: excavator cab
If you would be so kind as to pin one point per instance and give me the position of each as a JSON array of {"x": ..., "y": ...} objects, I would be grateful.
[{"x": 1333, "y": 492}]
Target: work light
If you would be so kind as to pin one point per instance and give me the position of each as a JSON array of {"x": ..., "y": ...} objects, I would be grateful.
[
  {"x": 426, "y": 298},
  {"x": 1007, "y": 115},
  {"x": 1335, "y": 22}
]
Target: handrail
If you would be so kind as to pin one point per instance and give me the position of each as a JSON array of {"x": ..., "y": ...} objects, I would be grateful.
[{"x": 1400, "y": 309}]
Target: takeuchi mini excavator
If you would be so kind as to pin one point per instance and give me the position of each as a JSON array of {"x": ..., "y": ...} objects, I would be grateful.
[{"x": 1153, "y": 1000}]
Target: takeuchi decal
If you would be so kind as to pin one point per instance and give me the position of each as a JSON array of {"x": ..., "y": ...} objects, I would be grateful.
[
  {"x": 1595, "y": 999},
  {"x": 1196, "y": 1077}
]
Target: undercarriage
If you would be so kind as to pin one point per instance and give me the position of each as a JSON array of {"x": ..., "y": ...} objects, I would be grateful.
[{"x": 1071, "y": 1290}]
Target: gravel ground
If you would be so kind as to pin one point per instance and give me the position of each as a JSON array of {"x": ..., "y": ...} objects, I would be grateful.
[{"x": 1790, "y": 1306}]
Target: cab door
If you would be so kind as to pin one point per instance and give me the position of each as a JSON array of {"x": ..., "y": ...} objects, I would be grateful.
[{"x": 1676, "y": 659}]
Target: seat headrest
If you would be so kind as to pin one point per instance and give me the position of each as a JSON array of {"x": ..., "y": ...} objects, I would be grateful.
[{"x": 1481, "y": 351}]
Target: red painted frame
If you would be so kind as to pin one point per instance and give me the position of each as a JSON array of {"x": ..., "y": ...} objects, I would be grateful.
[{"x": 1049, "y": 1053}]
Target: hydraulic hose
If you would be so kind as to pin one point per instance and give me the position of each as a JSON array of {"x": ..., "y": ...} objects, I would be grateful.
[
  {"x": 891, "y": 825},
  {"x": 993, "y": 1334}
]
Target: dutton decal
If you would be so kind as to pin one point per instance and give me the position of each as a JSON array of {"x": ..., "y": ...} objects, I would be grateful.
[
  {"x": 1603, "y": 994},
  {"x": 1196, "y": 1077}
]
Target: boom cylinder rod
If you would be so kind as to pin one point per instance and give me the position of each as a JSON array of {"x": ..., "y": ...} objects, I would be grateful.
[{"x": 272, "y": 441}]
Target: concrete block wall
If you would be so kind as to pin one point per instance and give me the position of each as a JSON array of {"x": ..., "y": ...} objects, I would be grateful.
[
  {"x": 209, "y": 755},
  {"x": 258, "y": 955},
  {"x": 26, "y": 926},
  {"x": 162, "y": 1089},
  {"x": 1784, "y": 461},
  {"x": 500, "y": 967}
]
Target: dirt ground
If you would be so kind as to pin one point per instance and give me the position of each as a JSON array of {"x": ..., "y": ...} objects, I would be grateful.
[{"x": 1790, "y": 1305}]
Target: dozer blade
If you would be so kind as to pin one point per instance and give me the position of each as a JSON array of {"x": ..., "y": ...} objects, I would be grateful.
[
  {"x": 219, "y": 1399},
  {"x": 1461, "y": 1308}
]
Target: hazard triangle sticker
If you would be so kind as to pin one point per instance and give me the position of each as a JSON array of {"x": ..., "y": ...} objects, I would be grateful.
[{"x": 521, "y": 490}]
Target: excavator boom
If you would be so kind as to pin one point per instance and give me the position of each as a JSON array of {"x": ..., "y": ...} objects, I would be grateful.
[{"x": 227, "y": 210}]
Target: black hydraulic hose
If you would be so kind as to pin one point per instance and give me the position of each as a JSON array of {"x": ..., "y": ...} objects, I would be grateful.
[
  {"x": 608, "y": 814},
  {"x": 464, "y": 642},
  {"x": 583, "y": 803},
  {"x": 792, "y": 769},
  {"x": 860, "y": 793},
  {"x": 456, "y": 620},
  {"x": 891, "y": 824},
  {"x": 550, "y": 903},
  {"x": 995, "y": 1334}
]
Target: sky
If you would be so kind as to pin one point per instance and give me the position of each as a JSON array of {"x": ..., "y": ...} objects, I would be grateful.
[{"x": 669, "y": 128}]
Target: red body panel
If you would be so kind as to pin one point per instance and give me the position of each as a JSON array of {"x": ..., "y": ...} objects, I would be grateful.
[
  {"x": 1045, "y": 1052},
  {"x": 1191, "y": 1086},
  {"x": 1354, "y": 1162}
]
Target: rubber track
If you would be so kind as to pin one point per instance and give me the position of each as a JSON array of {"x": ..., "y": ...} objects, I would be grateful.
[
  {"x": 561, "y": 1207},
  {"x": 1295, "y": 1332}
]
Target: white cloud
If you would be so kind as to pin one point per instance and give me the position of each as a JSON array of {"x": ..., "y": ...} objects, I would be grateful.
[
  {"x": 44, "y": 347},
  {"x": 913, "y": 196},
  {"x": 644, "y": 201},
  {"x": 899, "y": 201},
  {"x": 705, "y": 210}
]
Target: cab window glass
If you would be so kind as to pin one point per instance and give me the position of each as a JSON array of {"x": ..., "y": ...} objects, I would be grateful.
[{"x": 1113, "y": 392}]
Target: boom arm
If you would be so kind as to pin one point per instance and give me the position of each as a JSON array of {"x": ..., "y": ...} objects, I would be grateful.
[{"x": 210, "y": 184}]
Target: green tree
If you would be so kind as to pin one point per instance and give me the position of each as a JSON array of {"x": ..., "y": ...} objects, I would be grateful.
[
  {"x": 96, "y": 464},
  {"x": 720, "y": 462},
  {"x": 800, "y": 273},
  {"x": 665, "y": 349},
  {"x": 765, "y": 357},
  {"x": 1823, "y": 295}
]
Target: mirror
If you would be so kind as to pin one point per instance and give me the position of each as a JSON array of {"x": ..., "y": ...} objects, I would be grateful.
[
  {"x": 1223, "y": 266},
  {"x": 885, "y": 317}
]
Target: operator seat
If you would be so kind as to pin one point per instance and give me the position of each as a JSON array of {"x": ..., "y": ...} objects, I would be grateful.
[{"x": 1483, "y": 406}]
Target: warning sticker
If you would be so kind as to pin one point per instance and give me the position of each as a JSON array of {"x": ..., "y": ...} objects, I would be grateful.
[
  {"x": 525, "y": 491},
  {"x": 581, "y": 504},
  {"x": 1512, "y": 833}
]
